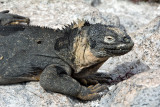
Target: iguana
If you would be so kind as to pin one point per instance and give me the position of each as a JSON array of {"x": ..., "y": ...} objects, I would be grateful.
[{"x": 64, "y": 61}]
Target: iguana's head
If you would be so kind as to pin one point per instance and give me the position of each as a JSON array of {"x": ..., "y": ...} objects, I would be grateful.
[
  {"x": 108, "y": 41},
  {"x": 95, "y": 43}
]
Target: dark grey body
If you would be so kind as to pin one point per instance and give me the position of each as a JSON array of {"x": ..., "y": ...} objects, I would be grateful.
[
  {"x": 62, "y": 60},
  {"x": 26, "y": 50}
]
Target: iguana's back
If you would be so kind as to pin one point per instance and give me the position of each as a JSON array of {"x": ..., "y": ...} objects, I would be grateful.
[{"x": 26, "y": 48}]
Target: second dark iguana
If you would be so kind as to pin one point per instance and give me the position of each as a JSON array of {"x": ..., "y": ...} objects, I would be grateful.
[{"x": 64, "y": 61}]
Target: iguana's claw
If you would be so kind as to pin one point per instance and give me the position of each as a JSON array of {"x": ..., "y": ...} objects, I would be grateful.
[
  {"x": 95, "y": 79},
  {"x": 91, "y": 92},
  {"x": 6, "y": 18}
]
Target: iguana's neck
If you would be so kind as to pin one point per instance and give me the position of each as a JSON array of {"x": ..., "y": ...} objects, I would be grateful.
[{"x": 82, "y": 52}]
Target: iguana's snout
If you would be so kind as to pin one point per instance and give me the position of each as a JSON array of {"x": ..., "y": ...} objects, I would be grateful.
[{"x": 107, "y": 41}]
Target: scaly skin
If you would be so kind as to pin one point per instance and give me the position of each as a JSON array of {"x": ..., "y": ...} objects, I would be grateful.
[
  {"x": 64, "y": 61},
  {"x": 7, "y": 18}
]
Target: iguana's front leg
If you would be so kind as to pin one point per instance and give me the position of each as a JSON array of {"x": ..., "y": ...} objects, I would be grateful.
[
  {"x": 55, "y": 78},
  {"x": 7, "y": 18}
]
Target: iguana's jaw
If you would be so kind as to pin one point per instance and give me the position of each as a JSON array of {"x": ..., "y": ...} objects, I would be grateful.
[
  {"x": 120, "y": 49},
  {"x": 83, "y": 56},
  {"x": 113, "y": 50}
]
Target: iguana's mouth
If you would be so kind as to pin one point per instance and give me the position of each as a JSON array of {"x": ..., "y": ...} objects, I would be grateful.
[
  {"x": 120, "y": 46},
  {"x": 119, "y": 50},
  {"x": 114, "y": 50}
]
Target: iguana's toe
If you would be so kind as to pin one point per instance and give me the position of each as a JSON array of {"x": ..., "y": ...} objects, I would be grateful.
[
  {"x": 6, "y": 18},
  {"x": 95, "y": 79},
  {"x": 5, "y": 11},
  {"x": 19, "y": 21},
  {"x": 87, "y": 81},
  {"x": 91, "y": 92},
  {"x": 98, "y": 88}
]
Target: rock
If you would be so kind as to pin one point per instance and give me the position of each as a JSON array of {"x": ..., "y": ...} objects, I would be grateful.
[
  {"x": 136, "y": 74},
  {"x": 93, "y": 3},
  {"x": 131, "y": 15},
  {"x": 53, "y": 15},
  {"x": 142, "y": 90},
  {"x": 30, "y": 95}
]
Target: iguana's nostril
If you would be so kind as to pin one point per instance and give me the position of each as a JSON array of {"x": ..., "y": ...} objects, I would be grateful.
[{"x": 126, "y": 39}]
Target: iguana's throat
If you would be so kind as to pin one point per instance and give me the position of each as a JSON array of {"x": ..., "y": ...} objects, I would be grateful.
[{"x": 83, "y": 56}]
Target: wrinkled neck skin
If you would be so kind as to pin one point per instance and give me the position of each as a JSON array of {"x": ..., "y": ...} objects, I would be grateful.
[{"x": 84, "y": 58}]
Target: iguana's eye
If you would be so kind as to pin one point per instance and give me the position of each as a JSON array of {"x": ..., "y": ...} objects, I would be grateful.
[{"x": 109, "y": 39}]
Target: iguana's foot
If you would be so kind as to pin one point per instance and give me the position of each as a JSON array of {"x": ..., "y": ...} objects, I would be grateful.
[
  {"x": 91, "y": 92},
  {"x": 6, "y": 18},
  {"x": 95, "y": 79}
]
